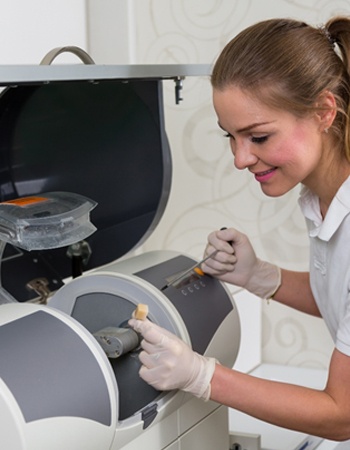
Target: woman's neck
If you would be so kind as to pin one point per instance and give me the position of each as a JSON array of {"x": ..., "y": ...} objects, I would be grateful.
[
  {"x": 328, "y": 178},
  {"x": 328, "y": 187}
]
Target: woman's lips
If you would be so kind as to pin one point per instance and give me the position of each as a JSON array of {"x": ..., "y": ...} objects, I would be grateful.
[{"x": 264, "y": 176}]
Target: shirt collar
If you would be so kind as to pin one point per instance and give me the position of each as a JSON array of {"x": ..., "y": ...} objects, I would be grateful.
[{"x": 337, "y": 211}]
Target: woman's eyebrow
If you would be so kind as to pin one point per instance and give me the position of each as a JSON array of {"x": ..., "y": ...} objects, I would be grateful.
[{"x": 248, "y": 127}]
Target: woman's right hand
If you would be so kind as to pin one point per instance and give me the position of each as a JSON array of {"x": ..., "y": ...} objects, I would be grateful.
[
  {"x": 235, "y": 260},
  {"x": 236, "y": 263}
]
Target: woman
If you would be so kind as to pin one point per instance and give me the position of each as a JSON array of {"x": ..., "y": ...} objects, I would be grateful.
[{"x": 281, "y": 92}]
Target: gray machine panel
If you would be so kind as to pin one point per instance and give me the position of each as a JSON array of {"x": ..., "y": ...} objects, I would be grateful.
[
  {"x": 97, "y": 310},
  {"x": 46, "y": 381},
  {"x": 202, "y": 302}
]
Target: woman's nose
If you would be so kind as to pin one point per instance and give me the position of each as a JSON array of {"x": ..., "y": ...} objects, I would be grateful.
[{"x": 243, "y": 157}]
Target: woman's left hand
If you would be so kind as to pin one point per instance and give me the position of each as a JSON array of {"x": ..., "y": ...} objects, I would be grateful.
[{"x": 168, "y": 363}]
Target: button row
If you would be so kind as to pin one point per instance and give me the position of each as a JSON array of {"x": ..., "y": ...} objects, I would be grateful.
[{"x": 193, "y": 288}]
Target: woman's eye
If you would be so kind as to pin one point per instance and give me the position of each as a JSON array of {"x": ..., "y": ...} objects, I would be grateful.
[
  {"x": 228, "y": 135},
  {"x": 259, "y": 139}
]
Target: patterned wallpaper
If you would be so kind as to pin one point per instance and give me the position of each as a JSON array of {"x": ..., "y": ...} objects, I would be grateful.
[{"x": 207, "y": 191}]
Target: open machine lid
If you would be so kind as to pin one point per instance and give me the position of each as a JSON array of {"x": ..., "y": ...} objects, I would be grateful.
[{"x": 102, "y": 137}]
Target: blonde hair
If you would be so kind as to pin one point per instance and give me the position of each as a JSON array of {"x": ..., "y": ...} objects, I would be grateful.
[{"x": 289, "y": 64}]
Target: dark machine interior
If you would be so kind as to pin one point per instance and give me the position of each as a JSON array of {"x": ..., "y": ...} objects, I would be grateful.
[{"x": 103, "y": 140}]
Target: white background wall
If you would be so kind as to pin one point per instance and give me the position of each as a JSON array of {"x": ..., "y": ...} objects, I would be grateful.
[
  {"x": 29, "y": 29},
  {"x": 207, "y": 191}
]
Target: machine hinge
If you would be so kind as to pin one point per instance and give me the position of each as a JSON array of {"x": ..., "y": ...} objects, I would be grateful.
[{"x": 148, "y": 415}]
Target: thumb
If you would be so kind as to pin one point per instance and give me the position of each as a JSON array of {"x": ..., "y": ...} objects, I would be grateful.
[{"x": 151, "y": 332}]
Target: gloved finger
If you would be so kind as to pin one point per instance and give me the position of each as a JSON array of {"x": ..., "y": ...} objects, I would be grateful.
[
  {"x": 139, "y": 325},
  {"x": 154, "y": 377},
  {"x": 220, "y": 264},
  {"x": 221, "y": 240},
  {"x": 152, "y": 348},
  {"x": 216, "y": 268},
  {"x": 144, "y": 374},
  {"x": 150, "y": 331},
  {"x": 150, "y": 360},
  {"x": 171, "y": 347},
  {"x": 144, "y": 326}
]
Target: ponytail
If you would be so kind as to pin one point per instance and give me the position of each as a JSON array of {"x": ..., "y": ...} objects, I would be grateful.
[{"x": 338, "y": 28}]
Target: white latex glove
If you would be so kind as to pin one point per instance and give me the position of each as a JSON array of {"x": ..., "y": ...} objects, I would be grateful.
[
  {"x": 236, "y": 263},
  {"x": 169, "y": 363}
]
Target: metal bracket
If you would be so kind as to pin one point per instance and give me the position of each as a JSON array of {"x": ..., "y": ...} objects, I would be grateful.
[
  {"x": 40, "y": 286},
  {"x": 178, "y": 89}
]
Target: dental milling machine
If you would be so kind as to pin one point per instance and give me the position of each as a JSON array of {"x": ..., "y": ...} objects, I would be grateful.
[{"x": 85, "y": 177}]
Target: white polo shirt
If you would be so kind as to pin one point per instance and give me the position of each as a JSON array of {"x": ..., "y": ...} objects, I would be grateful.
[{"x": 330, "y": 261}]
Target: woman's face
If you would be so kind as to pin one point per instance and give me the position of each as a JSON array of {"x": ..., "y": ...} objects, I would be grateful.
[{"x": 278, "y": 148}]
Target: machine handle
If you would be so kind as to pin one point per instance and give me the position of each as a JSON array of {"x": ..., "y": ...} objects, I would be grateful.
[{"x": 49, "y": 57}]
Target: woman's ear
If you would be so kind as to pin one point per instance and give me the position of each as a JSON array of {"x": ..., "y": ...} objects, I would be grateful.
[{"x": 326, "y": 110}]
